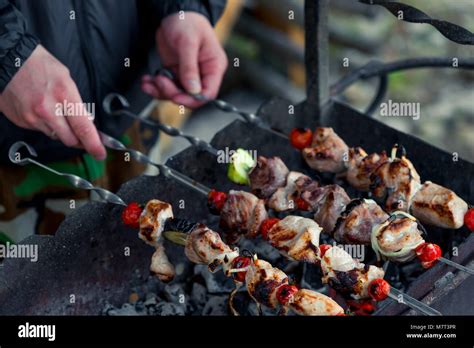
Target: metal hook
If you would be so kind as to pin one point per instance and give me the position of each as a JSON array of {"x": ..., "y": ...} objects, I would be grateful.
[
  {"x": 76, "y": 181},
  {"x": 116, "y": 98},
  {"x": 14, "y": 151}
]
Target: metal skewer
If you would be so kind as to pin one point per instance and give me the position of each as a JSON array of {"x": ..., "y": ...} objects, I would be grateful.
[
  {"x": 456, "y": 265},
  {"x": 411, "y": 302},
  {"x": 179, "y": 238},
  {"x": 222, "y": 105},
  {"x": 76, "y": 181},
  {"x": 166, "y": 171},
  {"x": 171, "y": 131}
]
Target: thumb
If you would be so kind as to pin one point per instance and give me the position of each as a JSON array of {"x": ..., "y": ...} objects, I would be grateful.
[{"x": 189, "y": 67}]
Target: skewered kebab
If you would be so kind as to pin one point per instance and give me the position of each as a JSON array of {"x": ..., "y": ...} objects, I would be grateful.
[
  {"x": 266, "y": 284},
  {"x": 396, "y": 237},
  {"x": 348, "y": 221},
  {"x": 297, "y": 238},
  {"x": 393, "y": 179}
]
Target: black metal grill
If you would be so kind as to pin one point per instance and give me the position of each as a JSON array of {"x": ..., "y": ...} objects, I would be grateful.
[{"x": 86, "y": 257}]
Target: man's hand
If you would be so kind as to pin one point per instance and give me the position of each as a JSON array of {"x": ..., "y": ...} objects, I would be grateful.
[
  {"x": 33, "y": 97},
  {"x": 190, "y": 47}
]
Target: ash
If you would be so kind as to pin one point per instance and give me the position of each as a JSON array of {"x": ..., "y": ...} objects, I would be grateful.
[{"x": 195, "y": 291}]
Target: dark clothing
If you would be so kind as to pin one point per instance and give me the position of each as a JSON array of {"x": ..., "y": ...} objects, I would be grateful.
[{"x": 93, "y": 38}]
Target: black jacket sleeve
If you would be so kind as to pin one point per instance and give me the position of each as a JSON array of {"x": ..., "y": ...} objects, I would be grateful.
[
  {"x": 15, "y": 42},
  {"x": 212, "y": 9}
]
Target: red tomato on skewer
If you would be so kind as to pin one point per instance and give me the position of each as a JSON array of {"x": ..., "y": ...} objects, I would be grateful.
[
  {"x": 131, "y": 214},
  {"x": 469, "y": 219},
  {"x": 300, "y": 137}
]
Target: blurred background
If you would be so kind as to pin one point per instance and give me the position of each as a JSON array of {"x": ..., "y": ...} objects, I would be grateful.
[{"x": 265, "y": 47}]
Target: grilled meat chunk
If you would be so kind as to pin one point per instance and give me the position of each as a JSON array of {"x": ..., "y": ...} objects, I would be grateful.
[
  {"x": 308, "y": 302},
  {"x": 438, "y": 206},
  {"x": 160, "y": 265},
  {"x": 360, "y": 166},
  {"x": 242, "y": 213},
  {"x": 305, "y": 183},
  {"x": 267, "y": 176},
  {"x": 262, "y": 281},
  {"x": 297, "y": 238},
  {"x": 152, "y": 221},
  {"x": 284, "y": 197},
  {"x": 355, "y": 224},
  {"x": 205, "y": 246},
  {"x": 327, "y": 151},
  {"x": 396, "y": 181},
  {"x": 327, "y": 202},
  {"x": 347, "y": 275},
  {"x": 397, "y": 238}
]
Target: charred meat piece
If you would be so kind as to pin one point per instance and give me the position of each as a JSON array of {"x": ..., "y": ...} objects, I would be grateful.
[
  {"x": 152, "y": 221},
  {"x": 297, "y": 238},
  {"x": 347, "y": 275},
  {"x": 360, "y": 166},
  {"x": 161, "y": 266},
  {"x": 262, "y": 281},
  {"x": 328, "y": 202},
  {"x": 438, "y": 206},
  {"x": 327, "y": 151},
  {"x": 396, "y": 182},
  {"x": 305, "y": 183},
  {"x": 205, "y": 246},
  {"x": 284, "y": 197},
  {"x": 397, "y": 238},
  {"x": 355, "y": 224},
  {"x": 267, "y": 176},
  {"x": 242, "y": 214},
  {"x": 308, "y": 302}
]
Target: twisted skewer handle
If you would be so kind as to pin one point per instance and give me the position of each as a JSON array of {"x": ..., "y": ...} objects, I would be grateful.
[
  {"x": 114, "y": 98},
  {"x": 76, "y": 181},
  {"x": 164, "y": 170},
  {"x": 219, "y": 103},
  {"x": 223, "y": 105}
]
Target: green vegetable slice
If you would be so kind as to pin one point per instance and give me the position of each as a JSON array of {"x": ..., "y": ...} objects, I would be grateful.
[{"x": 241, "y": 162}]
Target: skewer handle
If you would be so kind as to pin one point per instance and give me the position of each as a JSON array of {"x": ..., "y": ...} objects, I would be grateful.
[
  {"x": 411, "y": 302},
  {"x": 171, "y": 131},
  {"x": 223, "y": 105},
  {"x": 76, "y": 181},
  {"x": 115, "y": 144}
]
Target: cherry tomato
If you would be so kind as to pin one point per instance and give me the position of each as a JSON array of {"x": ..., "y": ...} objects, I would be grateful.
[
  {"x": 301, "y": 204},
  {"x": 285, "y": 293},
  {"x": 131, "y": 214},
  {"x": 240, "y": 262},
  {"x": 379, "y": 289},
  {"x": 323, "y": 248},
  {"x": 428, "y": 253},
  {"x": 216, "y": 200},
  {"x": 469, "y": 219},
  {"x": 300, "y": 137},
  {"x": 266, "y": 226}
]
